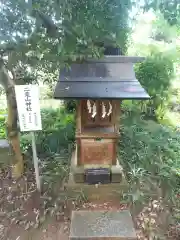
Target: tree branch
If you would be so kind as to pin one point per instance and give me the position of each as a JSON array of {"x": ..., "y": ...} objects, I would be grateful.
[
  {"x": 5, "y": 80},
  {"x": 47, "y": 23}
]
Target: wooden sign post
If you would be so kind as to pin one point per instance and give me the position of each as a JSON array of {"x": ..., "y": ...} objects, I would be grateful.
[{"x": 27, "y": 98}]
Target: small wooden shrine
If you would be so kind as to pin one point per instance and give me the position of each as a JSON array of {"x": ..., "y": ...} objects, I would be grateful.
[{"x": 99, "y": 86}]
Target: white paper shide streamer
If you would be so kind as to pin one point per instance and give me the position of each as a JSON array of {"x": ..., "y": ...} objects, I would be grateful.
[
  {"x": 89, "y": 106},
  {"x": 94, "y": 112},
  {"x": 110, "y": 109},
  {"x": 92, "y": 109},
  {"x": 103, "y": 110}
]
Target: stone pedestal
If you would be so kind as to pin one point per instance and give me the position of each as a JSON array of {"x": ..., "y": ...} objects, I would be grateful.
[
  {"x": 78, "y": 172},
  {"x": 91, "y": 225},
  {"x": 5, "y": 156},
  {"x": 107, "y": 192},
  {"x": 116, "y": 173}
]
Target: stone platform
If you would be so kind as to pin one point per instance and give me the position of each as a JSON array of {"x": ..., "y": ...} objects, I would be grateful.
[
  {"x": 91, "y": 225},
  {"x": 77, "y": 172},
  {"x": 106, "y": 192}
]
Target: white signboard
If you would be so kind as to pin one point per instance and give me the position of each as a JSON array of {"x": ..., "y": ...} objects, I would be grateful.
[{"x": 28, "y": 106}]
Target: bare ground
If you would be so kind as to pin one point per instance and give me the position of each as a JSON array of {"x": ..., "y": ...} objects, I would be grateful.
[
  {"x": 52, "y": 228},
  {"x": 26, "y": 215}
]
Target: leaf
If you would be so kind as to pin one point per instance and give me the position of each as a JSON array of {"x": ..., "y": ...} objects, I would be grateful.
[
  {"x": 36, "y": 225},
  {"x": 27, "y": 226}
]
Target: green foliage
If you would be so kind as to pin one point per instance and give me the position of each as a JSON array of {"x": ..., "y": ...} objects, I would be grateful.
[
  {"x": 106, "y": 29},
  {"x": 2, "y": 125},
  {"x": 55, "y": 168},
  {"x": 26, "y": 142},
  {"x": 46, "y": 93},
  {"x": 155, "y": 75},
  {"x": 2, "y": 128},
  {"x": 162, "y": 30},
  {"x": 58, "y": 132},
  {"x": 49, "y": 33},
  {"x": 70, "y": 105},
  {"x": 169, "y": 8},
  {"x": 150, "y": 155}
]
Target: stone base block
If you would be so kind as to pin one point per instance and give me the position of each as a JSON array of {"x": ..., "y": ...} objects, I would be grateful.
[
  {"x": 106, "y": 192},
  {"x": 78, "y": 174},
  {"x": 91, "y": 225},
  {"x": 116, "y": 174},
  {"x": 5, "y": 155}
]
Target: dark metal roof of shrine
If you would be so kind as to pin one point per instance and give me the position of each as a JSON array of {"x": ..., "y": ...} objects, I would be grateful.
[{"x": 92, "y": 80}]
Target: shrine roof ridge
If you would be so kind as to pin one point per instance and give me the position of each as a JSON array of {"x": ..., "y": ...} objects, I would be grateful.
[{"x": 117, "y": 59}]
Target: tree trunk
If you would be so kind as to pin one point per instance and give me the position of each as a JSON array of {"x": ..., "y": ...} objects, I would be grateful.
[{"x": 12, "y": 126}]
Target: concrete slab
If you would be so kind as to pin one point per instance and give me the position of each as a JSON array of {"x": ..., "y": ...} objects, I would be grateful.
[
  {"x": 102, "y": 225},
  {"x": 4, "y": 144},
  {"x": 5, "y": 153}
]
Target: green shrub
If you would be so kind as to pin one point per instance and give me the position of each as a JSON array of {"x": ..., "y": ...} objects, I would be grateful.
[
  {"x": 150, "y": 156},
  {"x": 154, "y": 148},
  {"x": 70, "y": 105},
  {"x": 155, "y": 75},
  {"x": 26, "y": 144},
  {"x": 58, "y": 132},
  {"x": 162, "y": 30},
  {"x": 2, "y": 128}
]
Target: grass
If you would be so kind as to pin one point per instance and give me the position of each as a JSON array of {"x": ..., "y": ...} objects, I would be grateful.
[{"x": 171, "y": 118}]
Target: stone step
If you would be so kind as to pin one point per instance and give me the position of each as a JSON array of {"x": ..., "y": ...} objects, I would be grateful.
[
  {"x": 101, "y": 225},
  {"x": 103, "y": 192}
]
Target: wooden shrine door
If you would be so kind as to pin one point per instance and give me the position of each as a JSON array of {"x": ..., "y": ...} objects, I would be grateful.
[{"x": 97, "y": 142}]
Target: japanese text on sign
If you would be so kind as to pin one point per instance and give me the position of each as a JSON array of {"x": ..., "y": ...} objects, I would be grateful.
[{"x": 27, "y": 97}]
